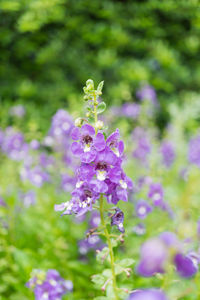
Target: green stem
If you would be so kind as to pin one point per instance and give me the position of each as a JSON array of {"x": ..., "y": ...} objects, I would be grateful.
[
  {"x": 95, "y": 111},
  {"x": 112, "y": 260}
]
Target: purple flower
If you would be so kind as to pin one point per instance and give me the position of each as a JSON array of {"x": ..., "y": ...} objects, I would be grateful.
[
  {"x": 118, "y": 219},
  {"x": 28, "y": 198},
  {"x": 17, "y": 111},
  {"x": 49, "y": 285},
  {"x": 151, "y": 294},
  {"x": 37, "y": 176},
  {"x": 130, "y": 110},
  {"x": 156, "y": 193},
  {"x": 93, "y": 242},
  {"x": 143, "y": 146},
  {"x": 143, "y": 209},
  {"x": 194, "y": 151},
  {"x": 13, "y": 144},
  {"x": 116, "y": 145},
  {"x": 153, "y": 257},
  {"x": 100, "y": 171},
  {"x": 168, "y": 153},
  {"x": 169, "y": 239},
  {"x": 61, "y": 124},
  {"x": 186, "y": 265},
  {"x": 88, "y": 144},
  {"x": 139, "y": 229},
  {"x": 34, "y": 144},
  {"x": 147, "y": 92}
]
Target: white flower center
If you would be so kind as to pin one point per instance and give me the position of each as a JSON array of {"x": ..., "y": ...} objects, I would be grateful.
[{"x": 101, "y": 175}]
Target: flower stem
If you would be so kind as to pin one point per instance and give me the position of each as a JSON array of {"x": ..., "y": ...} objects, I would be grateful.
[
  {"x": 112, "y": 260},
  {"x": 95, "y": 111}
]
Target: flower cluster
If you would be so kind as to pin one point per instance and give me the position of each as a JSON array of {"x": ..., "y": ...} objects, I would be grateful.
[
  {"x": 49, "y": 285},
  {"x": 100, "y": 171}
]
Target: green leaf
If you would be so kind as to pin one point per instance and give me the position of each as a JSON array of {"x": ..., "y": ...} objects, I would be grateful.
[
  {"x": 114, "y": 243},
  {"x": 126, "y": 262},
  {"x": 100, "y": 87},
  {"x": 101, "y": 255},
  {"x": 101, "y": 298},
  {"x": 101, "y": 107},
  {"x": 98, "y": 279},
  {"x": 107, "y": 273}
]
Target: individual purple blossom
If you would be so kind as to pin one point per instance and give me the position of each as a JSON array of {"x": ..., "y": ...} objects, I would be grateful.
[
  {"x": 37, "y": 176},
  {"x": 34, "y": 144},
  {"x": 49, "y": 285},
  {"x": 28, "y": 198},
  {"x": 139, "y": 229},
  {"x": 142, "y": 145},
  {"x": 156, "y": 193},
  {"x": 147, "y": 92},
  {"x": 14, "y": 145},
  {"x": 194, "y": 151},
  {"x": 168, "y": 153},
  {"x": 83, "y": 197},
  {"x": 186, "y": 265},
  {"x": 148, "y": 294},
  {"x": 61, "y": 124},
  {"x": 170, "y": 239},
  {"x": 17, "y": 111},
  {"x": 153, "y": 257},
  {"x": 130, "y": 110},
  {"x": 92, "y": 242},
  {"x": 143, "y": 208},
  {"x": 89, "y": 143},
  {"x": 46, "y": 160},
  {"x": 118, "y": 219}
]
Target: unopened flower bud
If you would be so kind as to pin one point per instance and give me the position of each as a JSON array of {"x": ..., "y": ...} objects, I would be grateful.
[
  {"x": 99, "y": 124},
  {"x": 78, "y": 122}
]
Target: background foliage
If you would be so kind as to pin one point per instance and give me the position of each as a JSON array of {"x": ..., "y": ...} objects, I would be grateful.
[{"x": 50, "y": 48}]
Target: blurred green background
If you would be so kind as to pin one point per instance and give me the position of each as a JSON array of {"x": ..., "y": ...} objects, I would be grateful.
[{"x": 50, "y": 48}]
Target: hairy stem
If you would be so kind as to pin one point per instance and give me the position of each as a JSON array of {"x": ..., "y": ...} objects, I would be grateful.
[{"x": 112, "y": 260}]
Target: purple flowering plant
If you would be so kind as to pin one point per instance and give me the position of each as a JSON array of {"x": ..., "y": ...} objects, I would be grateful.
[{"x": 100, "y": 183}]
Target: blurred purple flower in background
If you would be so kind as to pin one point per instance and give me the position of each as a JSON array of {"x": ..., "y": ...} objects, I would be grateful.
[
  {"x": 28, "y": 198},
  {"x": 143, "y": 208},
  {"x": 153, "y": 257},
  {"x": 194, "y": 151},
  {"x": 168, "y": 153},
  {"x": 130, "y": 110},
  {"x": 151, "y": 294},
  {"x": 156, "y": 193},
  {"x": 147, "y": 92},
  {"x": 17, "y": 111},
  {"x": 142, "y": 145},
  {"x": 49, "y": 285}
]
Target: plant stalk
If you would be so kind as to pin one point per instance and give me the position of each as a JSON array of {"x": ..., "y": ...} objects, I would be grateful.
[{"x": 112, "y": 260}]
